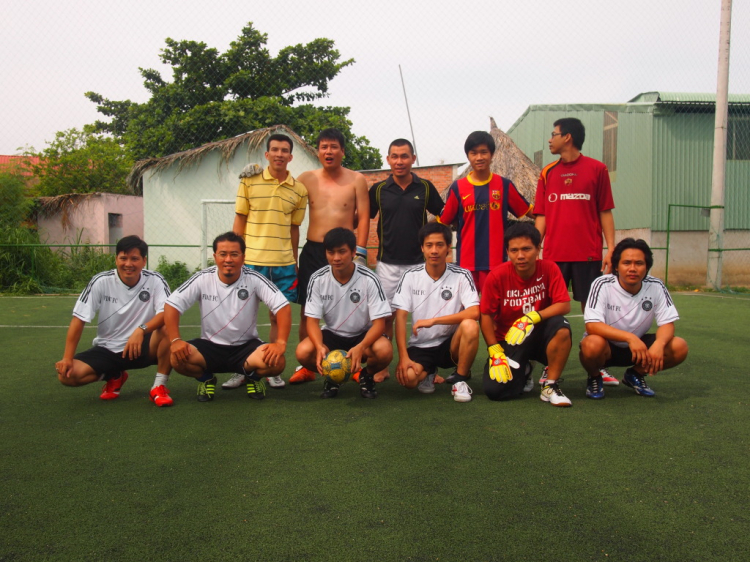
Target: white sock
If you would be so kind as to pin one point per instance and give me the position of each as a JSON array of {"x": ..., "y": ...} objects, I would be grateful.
[{"x": 160, "y": 380}]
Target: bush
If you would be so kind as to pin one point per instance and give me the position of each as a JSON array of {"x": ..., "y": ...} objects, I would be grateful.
[{"x": 175, "y": 273}]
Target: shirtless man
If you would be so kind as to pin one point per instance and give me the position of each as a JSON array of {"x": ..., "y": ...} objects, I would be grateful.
[{"x": 337, "y": 197}]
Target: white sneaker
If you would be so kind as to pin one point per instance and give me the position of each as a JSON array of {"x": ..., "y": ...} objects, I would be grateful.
[
  {"x": 427, "y": 386},
  {"x": 529, "y": 386},
  {"x": 461, "y": 392},
  {"x": 607, "y": 379},
  {"x": 235, "y": 382},
  {"x": 551, "y": 393},
  {"x": 276, "y": 382},
  {"x": 543, "y": 378}
]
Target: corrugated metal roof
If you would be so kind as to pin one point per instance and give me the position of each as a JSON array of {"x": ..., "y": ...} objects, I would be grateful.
[{"x": 686, "y": 98}]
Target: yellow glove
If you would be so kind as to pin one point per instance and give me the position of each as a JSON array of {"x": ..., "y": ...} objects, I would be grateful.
[
  {"x": 499, "y": 368},
  {"x": 522, "y": 327}
]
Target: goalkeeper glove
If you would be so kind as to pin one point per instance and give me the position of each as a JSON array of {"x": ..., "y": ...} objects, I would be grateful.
[
  {"x": 499, "y": 369},
  {"x": 522, "y": 327},
  {"x": 361, "y": 256}
]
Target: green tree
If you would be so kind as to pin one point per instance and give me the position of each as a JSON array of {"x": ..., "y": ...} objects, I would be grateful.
[
  {"x": 82, "y": 162},
  {"x": 214, "y": 96},
  {"x": 14, "y": 205}
]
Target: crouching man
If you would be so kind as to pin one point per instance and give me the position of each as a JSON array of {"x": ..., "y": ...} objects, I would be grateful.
[
  {"x": 130, "y": 302},
  {"x": 523, "y": 306},
  {"x": 619, "y": 311},
  {"x": 228, "y": 295},
  {"x": 350, "y": 300}
]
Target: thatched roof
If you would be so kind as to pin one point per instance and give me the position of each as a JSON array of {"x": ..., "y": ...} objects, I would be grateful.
[
  {"x": 509, "y": 161},
  {"x": 227, "y": 147},
  {"x": 64, "y": 205}
]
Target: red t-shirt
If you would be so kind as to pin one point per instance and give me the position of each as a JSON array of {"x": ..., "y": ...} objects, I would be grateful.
[
  {"x": 482, "y": 211},
  {"x": 571, "y": 195},
  {"x": 506, "y": 297}
]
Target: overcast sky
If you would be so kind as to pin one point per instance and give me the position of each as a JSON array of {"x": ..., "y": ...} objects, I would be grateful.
[{"x": 461, "y": 65}]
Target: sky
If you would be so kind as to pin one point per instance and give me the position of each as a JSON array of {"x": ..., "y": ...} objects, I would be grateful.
[{"x": 462, "y": 63}]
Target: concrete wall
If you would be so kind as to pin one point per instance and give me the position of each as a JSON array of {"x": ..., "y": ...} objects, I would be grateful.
[{"x": 89, "y": 224}]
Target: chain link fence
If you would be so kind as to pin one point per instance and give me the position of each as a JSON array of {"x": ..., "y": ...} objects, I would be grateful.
[{"x": 147, "y": 88}]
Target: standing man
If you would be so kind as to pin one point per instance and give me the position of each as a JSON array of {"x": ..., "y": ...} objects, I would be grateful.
[
  {"x": 270, "y": 207},
  {"x": 523, "y": 306},
  {"x": 401, "y": 202},
  {"x": 228, "y": 295},
  {"x": 444, "y": 307},
  {"x": 349, "y": 299},
  {"x": 481, "y": 202},
  {"x": 573, "y": 208},
  {"x": 619, "y": 312},
  {"x": 130, "y": 302},
  {"x": 337, "y": 198}
]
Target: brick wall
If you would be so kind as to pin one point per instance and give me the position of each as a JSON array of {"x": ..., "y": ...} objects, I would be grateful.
[{"x": 441, "y": 176}]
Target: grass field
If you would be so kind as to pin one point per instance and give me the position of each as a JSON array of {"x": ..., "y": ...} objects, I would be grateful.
[{"x": 403, "y": 477}]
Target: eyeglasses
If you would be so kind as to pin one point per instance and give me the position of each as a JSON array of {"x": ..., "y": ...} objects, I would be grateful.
[{"x": 553, "y": 134}]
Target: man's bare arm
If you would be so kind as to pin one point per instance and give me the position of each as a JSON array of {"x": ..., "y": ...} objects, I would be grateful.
[
  {"x": 540, "y": 222},
  {"x": 238, "y": 227},
  {"x": 295, "y": 241},
  {"x": 608, "y": 229},
  {"x": 471, "y": 313},
  {"x": 363, "y": 210}
]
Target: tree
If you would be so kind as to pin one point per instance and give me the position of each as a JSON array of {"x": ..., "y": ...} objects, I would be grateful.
[
  {"x": 81, "y": 162},
  {"x": 214, "y": 96},
  {"x": 14, "y": 205}
]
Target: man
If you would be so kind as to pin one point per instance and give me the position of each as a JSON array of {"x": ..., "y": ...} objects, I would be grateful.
[
  {"x": 619, "y": 312},
  {"x": 337, "y": 198},
  {"x": 269, "y": 210},
  {"x": 401, "y": 203},
  {"x": 523, "y": 306},
  {"x": 349, "y": 299},
  {"x": 228, "y": 295},
  {"x": 130, "y": 302},
  {"x": 481, "y": 202},
  {"x": 573, "y": 208},
  {"x": 444, "y": 307}
]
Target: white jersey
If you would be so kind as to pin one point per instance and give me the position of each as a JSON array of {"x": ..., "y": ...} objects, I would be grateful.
[
  {"x": 229, "y": 313},
  {"x": 121, "y": 308},
  {"x": 349, "y": 309},
  {"x": 428, "y": 298},
  {"x": 610, "y": 304}
]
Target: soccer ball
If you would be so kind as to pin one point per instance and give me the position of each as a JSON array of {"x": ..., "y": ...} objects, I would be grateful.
[{"x": 337, "y": 366}]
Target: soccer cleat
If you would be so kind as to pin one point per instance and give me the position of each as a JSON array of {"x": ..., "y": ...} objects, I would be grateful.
[
  {"x": 461, "y": 392},
  {"x": 301, "y": 374},
  {"x": 355, "y": 376},
  {"x": 636, "y": 381},
  {"x": 255, "y": 389},
  {"x": 607, "y": 379},
  {"x": 159, "y": 395},
  {"x": 551, "y": 393},
  {"x": 112, "y": 387},
  {"x": 206, "y": 390},
  {"x": 543, "y": 378},
  {"x": 455, "y": 378},
  {"x": 594, "y": 388},
  {"x": 367, "y": 385},
  {"x": 529, "y": 386},
  {"x": 276, "y": 382},
  {"x": 330, "y": 390},
  {"x": 427, "y": 384},
  {"x": 237, "y": 380}
]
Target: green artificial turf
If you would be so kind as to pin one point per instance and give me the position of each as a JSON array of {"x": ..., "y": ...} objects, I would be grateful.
[{"x": 403, "y": 477}]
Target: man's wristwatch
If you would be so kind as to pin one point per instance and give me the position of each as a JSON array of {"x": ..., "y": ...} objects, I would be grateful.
[{"x": 143, "y": 327}]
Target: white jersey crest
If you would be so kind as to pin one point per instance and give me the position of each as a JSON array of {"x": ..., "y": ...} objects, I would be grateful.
[
  {"x": 121, "y": 308},
  {"x": 229, "y": 313},
  {"x": 427, "y": 298},
  {"x": 349, "y": 309},
  {"x": 610, "y": 304}
]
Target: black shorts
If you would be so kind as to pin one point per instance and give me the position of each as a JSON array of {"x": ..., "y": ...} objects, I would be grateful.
[
  {"x": 582, "y": 274},
  {"x": 533, "y": 348},
  {"x": 334, "y": 341},
  {"x": 225, "y": 358},
  {"x": 102, "y": 360},
  {"x": 622, "y": 356},
  {"x": 431, "y": 358},
  {"x": 311, "y": 259}
]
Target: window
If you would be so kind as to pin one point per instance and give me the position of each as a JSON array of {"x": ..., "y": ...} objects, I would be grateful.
[
  {"x": 738, "y": 137},
  {"x": 609, "y": 149},
  {"x": 115, "y": 229}
]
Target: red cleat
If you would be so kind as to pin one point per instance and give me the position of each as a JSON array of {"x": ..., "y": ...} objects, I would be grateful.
[
  {"x": 160, "y": 396},
  {"x": 112, "y": 388},
  {"x": 302, "y": 375},
  {"x": 355, "y": 376}
]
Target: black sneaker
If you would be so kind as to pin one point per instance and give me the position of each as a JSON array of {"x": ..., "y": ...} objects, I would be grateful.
[
  {"x": 595, "y": 387},
  {"x": 206, "y": 390},
  {"x": 330, "y": 390},
  {"x": 454, "y": 377},
  {"x": 255, "y": 389},
  {"x": 367, "y": 385}
]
